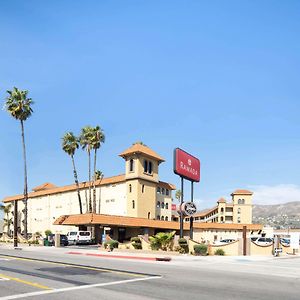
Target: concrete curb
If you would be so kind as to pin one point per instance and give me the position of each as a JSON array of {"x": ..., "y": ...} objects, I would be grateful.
[{"x": 149, "y": 258}]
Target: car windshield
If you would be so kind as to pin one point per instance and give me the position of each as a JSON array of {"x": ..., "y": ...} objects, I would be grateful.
[{"x": 84, "y": 233}]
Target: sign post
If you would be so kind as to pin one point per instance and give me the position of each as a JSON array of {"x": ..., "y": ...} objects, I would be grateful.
[{"x": 187, "y": 167}]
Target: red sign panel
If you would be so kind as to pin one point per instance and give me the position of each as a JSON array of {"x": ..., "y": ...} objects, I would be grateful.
[{"x": 186, "y": 165}]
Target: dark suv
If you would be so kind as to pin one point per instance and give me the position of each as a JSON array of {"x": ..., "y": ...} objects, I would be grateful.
[{"x": 63, "y": 240}]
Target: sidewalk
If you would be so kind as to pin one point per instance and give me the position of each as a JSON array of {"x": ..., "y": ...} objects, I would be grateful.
[{"x": 141, "y": 255}]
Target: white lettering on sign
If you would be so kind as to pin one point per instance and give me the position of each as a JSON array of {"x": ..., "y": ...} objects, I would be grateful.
[{"x": 188, "y": 168}]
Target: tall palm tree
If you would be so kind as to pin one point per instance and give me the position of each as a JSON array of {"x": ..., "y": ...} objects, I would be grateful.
[
  {"x": 99, "y": 176},
  {"x": 97, "y": 140},
  {"x": 69, "y": 144},
  {"x": 86, "y": 141},
  {"x": 7, "y": 220},
  {"x": 178, "y": 195},
  {"x": 19, "y": 107}
]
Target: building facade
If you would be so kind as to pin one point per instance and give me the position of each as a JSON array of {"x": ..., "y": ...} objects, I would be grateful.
[
  {"x": 238, "y": 211},
  {"x": 138, "y": 193}
]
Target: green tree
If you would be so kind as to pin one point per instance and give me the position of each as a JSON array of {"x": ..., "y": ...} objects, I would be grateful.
[
  {"x": 19, "y": 106},
  {"x": 99, "y": 176},
  {"x": 178, "y": 195},
  {"x": 97, "y": 139},
  {"x": 70, "y": 144},
  {"x": 162, "y": 240},
  {"x": 86, "y": 141}
]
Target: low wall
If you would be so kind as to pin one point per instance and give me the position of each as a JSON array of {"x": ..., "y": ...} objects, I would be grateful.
[
  {"x": 260, "y": 250},
  {"x": 230, "y": 249}
]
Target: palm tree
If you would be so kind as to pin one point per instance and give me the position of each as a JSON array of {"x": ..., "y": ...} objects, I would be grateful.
[
  {"x": 99, "y": 176},
  {"x": 86, "y": 141},
  {"x": 178, "y": 195},
  {"x": 69, "y": 144},
  {"x": 19, "y": 107},
  {"x": 97, "y": 140}
]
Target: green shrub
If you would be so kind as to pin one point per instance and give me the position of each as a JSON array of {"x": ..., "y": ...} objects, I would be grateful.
[
  {"x": 200, "y": 249},
  {"x": 112, "y": 244},
  {"x": 182, "y": 241},
  {"x": 137, "y": 245},
  {"x": 135, "y": 239},
  {"x": 136, "y": 242},
  {"x": 219, "y": 252},
  {"x": 48, "y": 232},
  {"x": 162, "y": 240}
]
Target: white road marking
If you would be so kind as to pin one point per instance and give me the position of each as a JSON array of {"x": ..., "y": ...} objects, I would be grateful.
[
  {"x": 3, "y": 279},
  {"x": 81, "y": 287},
  {"x": 6, "y": 259}
]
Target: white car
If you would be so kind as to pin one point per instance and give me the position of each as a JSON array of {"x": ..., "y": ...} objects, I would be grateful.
[
  {"x": 263, "y": 241},
  {"x": 79, "y": 237},
  {"x": 224, "y": 241}
]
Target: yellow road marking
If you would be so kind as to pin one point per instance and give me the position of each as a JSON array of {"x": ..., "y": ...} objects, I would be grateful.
[
  {"x": 79, "y": 267},
  {"x": 26, "y": 282}
]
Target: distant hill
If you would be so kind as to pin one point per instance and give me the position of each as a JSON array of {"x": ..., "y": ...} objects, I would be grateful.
[{"x": 266, "y": 211}]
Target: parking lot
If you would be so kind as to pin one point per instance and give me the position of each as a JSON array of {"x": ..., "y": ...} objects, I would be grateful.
[{"x": 23, "y": 278}]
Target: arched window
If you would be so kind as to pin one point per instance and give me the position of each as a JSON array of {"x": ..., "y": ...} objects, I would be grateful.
[
  {"x": 167, "y": 192},
  {"x": 162, "y": 218},
  {"x": 146, "y": 166},
  {"x": 131, "y": 165},
  {"x": 150, "y": 167},
  {"x": 167, "y": 205},
  {"x": 158, "y": 204},
  {"x": 162, "y": 205},
  {"x": 143, "y": 188},
  {"x": 158, "y": 217},
  {"x": 158, "y": 190},
  {"x": 241, "y": 201},
  {"x": 239, "y": 210},
  {"x": 222, "y": 209},
  {"x": 167, "y": 219},
  {"x": 163, "y": 191},
  {"x": 222, "y": 219},
  {"x": 133, "y": 204},
  {"x": 239, "y": 220},
  {"x": 149, "y": 215},
  {"x": 130, "y": 188}
]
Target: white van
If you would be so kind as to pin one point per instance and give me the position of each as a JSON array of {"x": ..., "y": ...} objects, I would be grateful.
[{"x": 79, "y": 237}]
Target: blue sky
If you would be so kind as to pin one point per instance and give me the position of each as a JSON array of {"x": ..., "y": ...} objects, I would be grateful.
[{"x": 219, "y": 79}]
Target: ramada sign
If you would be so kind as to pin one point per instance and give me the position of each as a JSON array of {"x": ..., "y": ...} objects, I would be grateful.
[{"x": 186, "y": 165}]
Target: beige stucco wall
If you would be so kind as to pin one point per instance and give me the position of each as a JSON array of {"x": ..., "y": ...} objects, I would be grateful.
[{"x": 260, "y": 250}]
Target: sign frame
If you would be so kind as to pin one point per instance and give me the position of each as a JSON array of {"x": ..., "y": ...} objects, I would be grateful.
[{"x": 193, "y": 178}]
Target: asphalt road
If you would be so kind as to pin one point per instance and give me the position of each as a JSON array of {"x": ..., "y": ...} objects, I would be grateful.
[{"x": 53, "y": 274}]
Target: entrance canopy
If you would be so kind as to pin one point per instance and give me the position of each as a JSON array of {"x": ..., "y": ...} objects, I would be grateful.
[{"x": 110, "y": 220}]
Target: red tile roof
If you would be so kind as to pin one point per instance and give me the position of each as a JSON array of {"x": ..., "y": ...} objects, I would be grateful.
[
  {"x": 40, "y": 191},
  {"x": 221, "y": 200},
  {"x": 242, "y": 192},
  {"x": 89, "y": 219},
  {"x": 138, "y": 148},
  {"x": 44, "y": 186}
]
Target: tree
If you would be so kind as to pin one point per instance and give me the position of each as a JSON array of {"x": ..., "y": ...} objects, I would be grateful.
[
  {"x": 19, "y": 107},
  {"x": 7, "y": 220},
  {"x": 86, "y": 141},
  {"x": 97, "y": 139},
  {"x": 99, "y": 176},
  {"x": 69, "y": 144},
  {"x": 178, "y": 195}
]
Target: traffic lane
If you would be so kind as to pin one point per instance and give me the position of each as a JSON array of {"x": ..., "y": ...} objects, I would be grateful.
[{"x": 27, "y": 275}]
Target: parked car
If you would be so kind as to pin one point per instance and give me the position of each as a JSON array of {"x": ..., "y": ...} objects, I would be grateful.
[
  {"x": 285, "y": 242},
  {"x": 63, "y": 240},
  {"x": 79, "y": 237},
  {"x": 224, "y": 241},
  {"x": 263, "y": 241}
]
